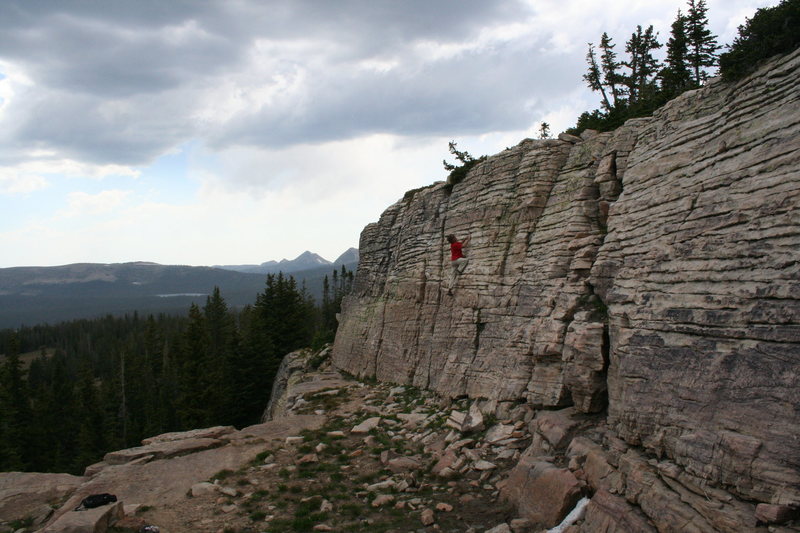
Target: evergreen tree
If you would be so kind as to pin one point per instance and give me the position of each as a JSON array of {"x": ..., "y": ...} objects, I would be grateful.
[
  {"x": 194, "y": 393},
  {"x": 594, "y": 78},
  {"x": 254, "y": 368},
  {"x": 56, "y": 412},
  {"x": 610, "y": 67},
  {"x": 91, "y": 442},
  {"x": 773, "y": 30},
  {"x": 701, "y": 42},
  {"x": 15, "y": 412},
  {"x": 221, "y": 352},
  {"x": 643, "y": 66},
  {"x": 676, "y": 76},
  {"x": 544, "y": 133}
]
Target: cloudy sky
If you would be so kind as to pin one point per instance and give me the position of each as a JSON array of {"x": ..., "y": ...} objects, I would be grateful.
[{"x": 238, "y": 131}]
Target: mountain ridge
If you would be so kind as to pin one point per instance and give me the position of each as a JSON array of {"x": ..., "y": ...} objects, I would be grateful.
[
  {"x": 34, "y": 295},
  {"x": 305, "y": 261}
]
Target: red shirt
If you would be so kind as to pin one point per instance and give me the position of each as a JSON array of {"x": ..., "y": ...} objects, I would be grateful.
[{"x": 455, "y": 250}]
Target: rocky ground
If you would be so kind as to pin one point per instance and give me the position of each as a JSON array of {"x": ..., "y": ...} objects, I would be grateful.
[
  {"x": 386, "y": 459},
  {"x": 345, "y": 456}
]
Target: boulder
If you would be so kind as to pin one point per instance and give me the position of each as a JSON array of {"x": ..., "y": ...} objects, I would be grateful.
[
  {"x": 566, "y": 137},
  {"x": 24, "y": 494},
  {"x": 161, "y": 450},
  {"x": 403, "y": 464},
  {"x": 366, "y": 426},
  {"x": 202, "y": 488},
  {"x": 775, "y": 514},
  {"x": 208, "y": 433},
  {"x": 542, "y": 492},
  {"x": 606, "y": 512},
  {"x": 96, "y": 520},
  {"x": 445, "y": 462},
  {"x": 557, "y": 427},
  {"x": 499, "y": 432},
  {"x": 474, "y": 420},
  {"x": 383, "y": 499},
  {"x": 166, "y": 482},
  {"x": 412, "y": 419}
]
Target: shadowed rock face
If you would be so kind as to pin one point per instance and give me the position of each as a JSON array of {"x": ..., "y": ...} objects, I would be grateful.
[{"x": 653, "y": 271}]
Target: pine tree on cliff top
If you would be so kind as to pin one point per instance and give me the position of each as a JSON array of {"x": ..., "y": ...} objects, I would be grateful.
[
  {"x": 610, "y": 67},
  {"x": 641, "y": 63},
  {"x": 701, "y": 42},
  {"x": 676, "y": 76}
]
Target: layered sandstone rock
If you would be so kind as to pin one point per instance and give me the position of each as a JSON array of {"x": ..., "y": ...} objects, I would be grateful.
[{"x": 653, "y": 271}]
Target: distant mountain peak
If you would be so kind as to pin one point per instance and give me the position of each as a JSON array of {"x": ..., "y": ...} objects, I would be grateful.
[
  {"x": 348, "y": 257},
  {"x": 307, "y": 260},
  {"x": 311, "y": 258}
]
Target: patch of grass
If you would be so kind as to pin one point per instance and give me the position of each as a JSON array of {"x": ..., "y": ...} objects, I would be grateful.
[
  {"x": 381, "y": 437},
  {"x": 306, "y": 473},
  {"x": 21, "y": 523},
  {"x": 262, "y": 456},
  {"x": 143, "y": 509},
  {"x": 367, "y": 478},
  {"x": 222, "y": 474},
  {"x": 258, "y": 516},
  {"x": 318, "y": 358},
  {"x": 259, "y": 495},
  {"x": 284, "y": 473},
  {"x": 351, "y": 510}
]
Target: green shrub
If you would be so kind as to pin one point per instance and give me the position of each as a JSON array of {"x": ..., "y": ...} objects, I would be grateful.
[
  {"x": 771, "y": 31},
  {"x": 222, "y": 474},
  {"x": 458, "y": 173}
]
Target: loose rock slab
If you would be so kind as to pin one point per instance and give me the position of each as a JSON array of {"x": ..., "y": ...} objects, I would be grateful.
[
  {"x": 24, "y": 494},
  {"x": 95, "y": 520}
]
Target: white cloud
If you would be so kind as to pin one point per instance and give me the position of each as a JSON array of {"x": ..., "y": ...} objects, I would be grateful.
[
  {"x": 83, "y": 204},
  {"x": 15, "y": 183},
  {"x": 40, "y": 169}
]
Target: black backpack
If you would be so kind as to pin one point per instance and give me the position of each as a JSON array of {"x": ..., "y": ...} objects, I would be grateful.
[{"x": 96, "y": 500}]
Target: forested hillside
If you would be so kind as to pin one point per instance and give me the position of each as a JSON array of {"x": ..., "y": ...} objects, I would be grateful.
[{"x": 104, "y": 384}]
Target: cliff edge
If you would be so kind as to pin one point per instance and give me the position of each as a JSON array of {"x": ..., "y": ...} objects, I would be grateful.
[{"x": 647, "y": 277}]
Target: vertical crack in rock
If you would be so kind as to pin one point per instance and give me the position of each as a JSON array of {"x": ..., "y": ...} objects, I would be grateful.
[
  {"x": 377, "y": 352},
  {"x": 586, "y": 347},
  {"x": 479, "y": 327}
]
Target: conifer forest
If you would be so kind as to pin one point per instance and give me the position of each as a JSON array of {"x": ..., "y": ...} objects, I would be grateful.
[{"x": 73, "y": 391}]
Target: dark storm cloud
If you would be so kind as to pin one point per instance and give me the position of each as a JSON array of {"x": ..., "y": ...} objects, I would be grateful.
[
  {"x": 465, "y": 95},
  {"x": 124, "y": 81}
]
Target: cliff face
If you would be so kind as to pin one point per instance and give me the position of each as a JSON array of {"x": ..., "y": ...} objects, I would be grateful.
[{"x": 651, "y": 274}]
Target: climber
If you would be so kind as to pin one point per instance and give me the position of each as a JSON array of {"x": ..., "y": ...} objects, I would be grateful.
[{"x": 457, "y": 259}]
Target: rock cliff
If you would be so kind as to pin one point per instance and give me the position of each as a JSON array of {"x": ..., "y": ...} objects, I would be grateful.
[{"x": 649, "y": 275}]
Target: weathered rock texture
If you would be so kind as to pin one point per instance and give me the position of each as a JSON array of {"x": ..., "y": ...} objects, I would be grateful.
[
  {"x": 34, "y": 495},
  {"x": 651, "y": 273}
]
